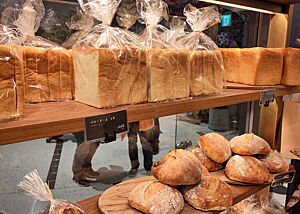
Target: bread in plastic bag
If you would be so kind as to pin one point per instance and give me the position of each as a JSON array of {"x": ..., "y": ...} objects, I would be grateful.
[
  {"x": 116, "y": 57},
  {"x": 33, "y": 185},
  {"x": 11, "y": 74},
  {"x": 168, "y": 64},
  {"x": 207, "y": 70},
  {"x": 44, "y": 81}
]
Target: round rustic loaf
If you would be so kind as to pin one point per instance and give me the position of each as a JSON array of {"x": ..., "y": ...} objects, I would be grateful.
[
  {"x": 178, "y": 167},
  {"x": 210, "y": 194},
  {"x": 215, "y": 146},
  {"x": 246, "y": 169},
  {"x": 249, "y": 144},
  {"x": 274, "y": 162},
  {"x": 209, "y": 164},
  {"x": 153, "y": 197}
]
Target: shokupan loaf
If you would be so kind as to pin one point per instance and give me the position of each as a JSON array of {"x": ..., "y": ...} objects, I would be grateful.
[
  {"x": 32, "y": 84},
  {"x": 232, "y": 63},
  {"x": 208, "y": 163},
  {"x": 72, "y": 73},
  {"x": 274, "y": 162},
  {"x": 215, "y": 146},
  {"x": 169, "y": 74},
  {"x": 42, "y": 72},
  {"x": 246, "y": 169},
  {"x": 206, "y": 72},
  {"x": 107, "y": 77},
  {"x": 210, "y": 194},
  {"x": 65, "y": 74},
  {"x": 153, "y": 197},
  {"x": 249, "y": 144},
  {"x": 178, "y": 167},
  {"x": 261, "y": 66},
  {"x": 54, "y": 74},
  {"x": 291, "y": 68},
  {"x": 11, "y": 82}
]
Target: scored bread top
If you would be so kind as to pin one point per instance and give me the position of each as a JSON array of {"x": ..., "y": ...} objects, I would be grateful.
[
  {"x": 215, "y": 146},
  {"x": 208, "y": 163},
  {"x": 178, "y": 167},
  {"x": 249, "y": 144},
  {"x": 210, "y": 194},
  {"x": 246, "y": 169},
  {"x": 156, "y": 198},
  {"x": 274, "y": 162}
]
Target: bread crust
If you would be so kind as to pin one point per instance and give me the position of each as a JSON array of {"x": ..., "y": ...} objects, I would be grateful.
[
  {"x": 178, "y": 167},
  {"x": 153, "y": 197},
  {"x": 215, "y": 146},
  {"x": 249, "y": 144},
  {"x": 210, "y": 194},
  {"x": 246, "y": 169},
  {"x": 291, "y": 65},
  {"x": 208, "y": 163},
  {"x": 274, "y": 162}
]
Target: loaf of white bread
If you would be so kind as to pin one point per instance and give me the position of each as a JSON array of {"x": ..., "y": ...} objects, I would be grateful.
[
  {"x": 291, "y": 67},
  {"x": 206, "y": 72},
  {"x": 11, "y": 82},
  {"x": 253, "y": 66},
  {"x": 169, "y": 74},
  {"x": 47, "y": 74},
  {"x": 107, "y": 77}
]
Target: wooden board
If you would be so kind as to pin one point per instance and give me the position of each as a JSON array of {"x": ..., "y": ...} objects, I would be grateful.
[
  {"x": 56, "y": 118},
  {"x": 114, "y": 199},
  {"x": 232, "y": 85}
]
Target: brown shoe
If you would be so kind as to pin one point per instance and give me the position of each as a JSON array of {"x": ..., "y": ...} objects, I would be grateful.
[{"x": 90, "y": 173}]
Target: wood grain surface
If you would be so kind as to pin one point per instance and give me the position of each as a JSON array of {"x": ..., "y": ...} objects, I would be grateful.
[
  {"x": 114, "y": 199},
  {"x": 55, "y": 118}
]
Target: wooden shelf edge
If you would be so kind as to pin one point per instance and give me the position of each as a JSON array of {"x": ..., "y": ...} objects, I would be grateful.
[{"x": 50, "y": 119}]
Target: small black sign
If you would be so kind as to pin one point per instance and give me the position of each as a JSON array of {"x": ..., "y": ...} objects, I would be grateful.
[
  {"x": 105, "y": 127},
  {"x": 282, "y": 178}
]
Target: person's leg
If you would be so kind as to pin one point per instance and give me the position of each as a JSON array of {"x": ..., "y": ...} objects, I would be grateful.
[
  {"x": 147, "y": 151},
  {"x": 132, "y": 148},
  {"x": 83, "y": 157}
]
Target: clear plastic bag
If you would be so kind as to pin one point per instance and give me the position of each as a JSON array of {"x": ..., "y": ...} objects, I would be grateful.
[
  {"x": 117, "y": 58},
  {"x": 207, "y": 70},
  {"x": 11, "y": 74},
  {"x": 47, "y": 67},
  {"x": 168, "y": 64},
  {"x": 33, "y": 185}
]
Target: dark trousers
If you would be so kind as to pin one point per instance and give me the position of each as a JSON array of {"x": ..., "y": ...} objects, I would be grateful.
[{"x": 83, "y": 154}]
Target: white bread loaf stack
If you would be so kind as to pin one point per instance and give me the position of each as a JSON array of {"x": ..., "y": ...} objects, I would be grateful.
[
  {"x": 107, "y": 77},
  {"x": 253, "y": 66},
  {"x": 47, "y": 74},
  {"x": 291, "y": 68},
  {"x": 206, "y": 72},
  {"x": 11, "y": 82},
  {"x": 169, "y": 74}
]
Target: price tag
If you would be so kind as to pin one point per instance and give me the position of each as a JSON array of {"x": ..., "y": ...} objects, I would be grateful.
[
  {"x": 282, "y": 178},
  {"x": 105, "y": 127}
]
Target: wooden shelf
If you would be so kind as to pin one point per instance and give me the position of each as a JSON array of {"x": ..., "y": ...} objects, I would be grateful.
[
  {"x": 90, "y": 205},
  {"x": 55, "y": 118}
]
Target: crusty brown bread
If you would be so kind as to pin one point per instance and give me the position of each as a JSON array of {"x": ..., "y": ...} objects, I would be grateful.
[
  {"x": 54, "y": 74},
  {"x": 178, "y": 167},
  {"x": 215, "y": 146},
  {"x": 274, "y": 162},
  {"x": 291, "y": 71},
  {"x": 205, "y": 172},
  {"x": 153, "y": 197},
  {"x": 246, "y": 169},
  {"x": 232, "y": 63},
  {"x": 210, "y": 194},
  {"x": 249, "y": 144},
  {"x": 208, "y": 163},
  {"x": 65, "y": 75}
]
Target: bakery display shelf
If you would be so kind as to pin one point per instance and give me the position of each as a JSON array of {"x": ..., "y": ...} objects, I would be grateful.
[
  {"x": 114, "y": 199},
  {"x": 55, "y": 118}
]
